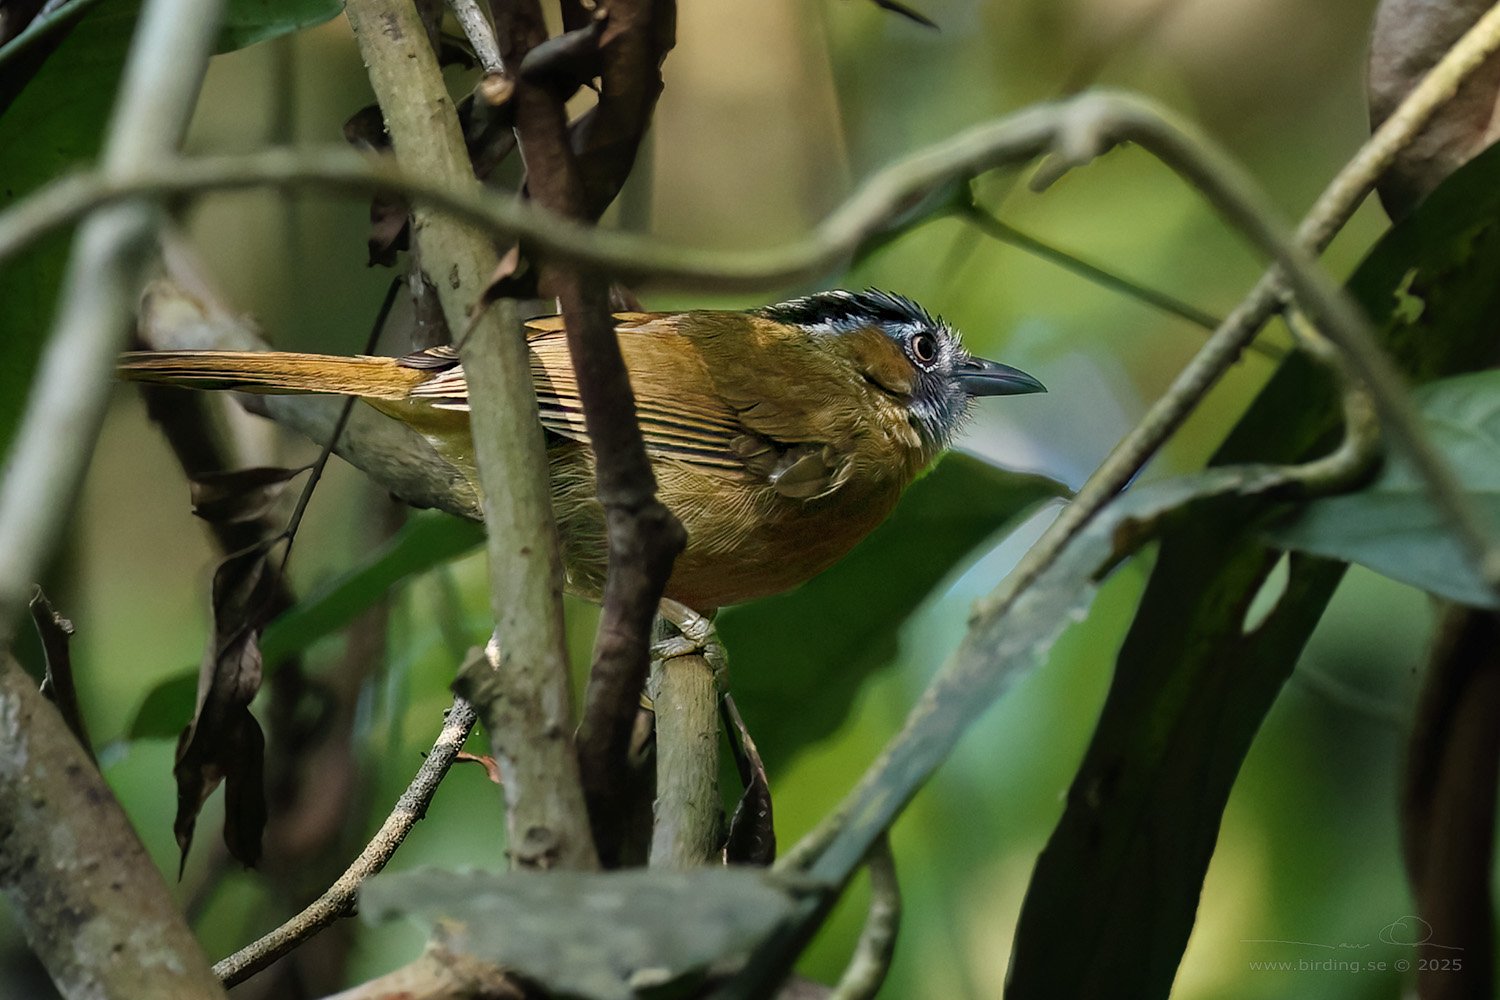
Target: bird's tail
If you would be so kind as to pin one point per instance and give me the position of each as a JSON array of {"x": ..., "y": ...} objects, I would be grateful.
[{"x": 273, "y": 372}]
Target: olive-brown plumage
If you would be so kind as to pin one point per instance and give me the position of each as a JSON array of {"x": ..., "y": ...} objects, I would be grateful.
[{"x": 779, "y": 437}]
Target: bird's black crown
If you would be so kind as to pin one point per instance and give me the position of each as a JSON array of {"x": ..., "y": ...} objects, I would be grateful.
[{"x": 839, "y": 311}]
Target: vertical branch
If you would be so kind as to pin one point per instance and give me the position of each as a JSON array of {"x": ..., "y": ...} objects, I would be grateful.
[
  {"x": 644, "y": 537},
  {"x": 689, "y": 812},
  {"x": 524, "y": 697}
]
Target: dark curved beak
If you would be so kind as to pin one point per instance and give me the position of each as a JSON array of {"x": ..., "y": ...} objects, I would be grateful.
[{"x": 979, "y": 377}]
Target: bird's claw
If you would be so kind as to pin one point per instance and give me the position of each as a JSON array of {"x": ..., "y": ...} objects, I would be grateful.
[{"x": 696, "y": 636}]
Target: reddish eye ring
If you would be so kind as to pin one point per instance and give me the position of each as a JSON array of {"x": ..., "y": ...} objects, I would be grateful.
[{"x": 924, "y": 348}]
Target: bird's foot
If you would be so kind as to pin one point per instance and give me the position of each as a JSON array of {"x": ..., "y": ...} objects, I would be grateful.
[{"x": 696, "y": 636}]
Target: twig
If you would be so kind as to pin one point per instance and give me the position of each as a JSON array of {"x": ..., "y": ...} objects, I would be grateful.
[
  {"x": 867, "y": 970},
  {"x": 338, "y": 900},
  {"x": 1012, "y": 139},
  {"x": 525, "y": 700},
  {"x": 983, "y": 220},
  {"x": 1222, "y": 349},
  {"x": 628, "y": 256},
  {"x": 54, "y": 631},
  {"x": 478, "y": 30}
]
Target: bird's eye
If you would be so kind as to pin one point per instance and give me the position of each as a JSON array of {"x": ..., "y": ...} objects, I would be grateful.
[{"x": 923, "y": 348}]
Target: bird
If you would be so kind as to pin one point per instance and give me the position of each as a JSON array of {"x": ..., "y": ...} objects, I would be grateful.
[{"x": 779, "y": 436}]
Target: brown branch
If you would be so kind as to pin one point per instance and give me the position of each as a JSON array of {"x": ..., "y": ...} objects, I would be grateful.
[
  {"x": 689, "y": 813},
  {"x": 524, "y": 699},
  {"x": 644, "y": 537},
  {"x": 90, "y": 900}
]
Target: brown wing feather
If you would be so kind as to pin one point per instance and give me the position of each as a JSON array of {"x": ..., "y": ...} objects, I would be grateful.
[{"x": 680, "y": 416}]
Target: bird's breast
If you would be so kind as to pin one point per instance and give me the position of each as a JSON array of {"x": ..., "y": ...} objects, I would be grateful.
[{"x": 745, "y": 539}]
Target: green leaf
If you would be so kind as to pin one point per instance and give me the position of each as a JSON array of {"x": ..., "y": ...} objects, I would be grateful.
[
  {"x": 166, "y": 709},
  {"x": 801, "y": 657},
  {"x": 56, "y": 91},
  {"x": 425, "y": 541},
  {"x": 1114, "y": 895},
  {"x": 600, "y": 935},
  {"x": 1391, "y": 525},
  {"x": 249, "y": 21},
  {"x": 994, "y": 657}
]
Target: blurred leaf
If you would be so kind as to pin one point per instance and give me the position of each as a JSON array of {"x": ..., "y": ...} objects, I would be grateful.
[
  {"x": 236, "y": 496},
  {"x": 912, "y": 15},
  {"x": 249, "y": 21},
  {"x": 425, "y": 541},
  {"x": 57, "y": 87},
  {"x": 55, "y": 96},
  {"x": 1392, "y": 525},
  {"x": 1114, "y": 895},
  {"x": 1448, "y": 805},
  {"x": 600, "y": 935},
  {"x": 799, "y": 658},
  {"x": 988, "y": 664},
  {"x": 164, "y": 707},
  {"x": 995, "y": 656},
  {"x": 223, "y": 742},
  {"x": 1408, "y": 39}
]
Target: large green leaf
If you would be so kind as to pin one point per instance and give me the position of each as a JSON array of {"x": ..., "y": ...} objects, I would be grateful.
[
  {"x": 1114, "y": 895},
  {"x": 425, "y": 541},
  {"x": 1392, "y": 526},
  {"x": 800, "y": 658}
]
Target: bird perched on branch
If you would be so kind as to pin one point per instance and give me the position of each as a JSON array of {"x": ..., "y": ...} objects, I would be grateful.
[{"x": 779, "y": 437}]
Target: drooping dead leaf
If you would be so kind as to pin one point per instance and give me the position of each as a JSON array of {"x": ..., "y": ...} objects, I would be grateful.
[
  {"x": 604, "y": 140},
  {"x": 565, "y": 62},
  {"x": 223, "y": 741},
  {"x": 1409, "y": 38},
  {"x": 514, "y": 278},
  {"x": 486, "y": 761},
  {"x": 752, "y": 828},
  {"x": 389, "y": 232},
  {"x": 238, "y": 495},
  {"x": 429, "y": 324}
]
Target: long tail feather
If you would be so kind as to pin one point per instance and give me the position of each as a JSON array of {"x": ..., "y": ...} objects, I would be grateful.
[{"x": 273, "y": 372}]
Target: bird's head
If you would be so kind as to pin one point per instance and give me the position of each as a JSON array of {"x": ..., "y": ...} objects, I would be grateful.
[{"x": 929, "y": 371}]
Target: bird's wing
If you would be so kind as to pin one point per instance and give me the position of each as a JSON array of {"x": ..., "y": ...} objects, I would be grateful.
[
  {"x": 677, "y": 422},
  {"x": 804, "y": 409},
  {"x": 680, "y": 417}
]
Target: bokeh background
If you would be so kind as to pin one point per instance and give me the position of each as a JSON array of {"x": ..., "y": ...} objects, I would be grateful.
[{"x": 772, "y": 113}]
